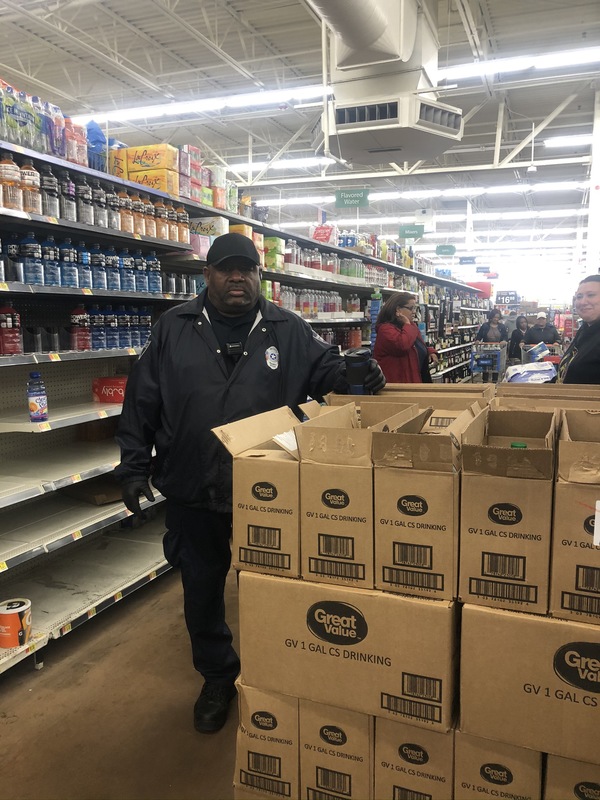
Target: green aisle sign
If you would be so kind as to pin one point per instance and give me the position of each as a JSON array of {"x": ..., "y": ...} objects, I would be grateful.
[
  {"x": 352, "y": 198},
  {"x": 411, "y": 231},
  {"x": 445, "y": 250}
]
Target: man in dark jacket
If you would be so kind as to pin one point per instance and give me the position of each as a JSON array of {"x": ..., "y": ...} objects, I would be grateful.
[
  {"x": 226, "y": 355},
  {"x": 542, "y": 331}
]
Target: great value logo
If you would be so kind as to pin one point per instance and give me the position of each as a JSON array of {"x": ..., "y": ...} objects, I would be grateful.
[
  {"x": 264, "y": 720},
  {"x": 497, "y": 774},
  {"x": 578, "y": 664},
  {"x": 264, "y": 491},
  {"x": 587, "y": 791},
  {"x": 412, "y": 505},
  {"x": 335, "y": 498},
  {"x": 588, "y": 525},
  {"x": 505, "y": 514},
  {"x": 413, "y": 753},
  {"x": 337, "y": 623},
  {"x": 333, "y": 735}
]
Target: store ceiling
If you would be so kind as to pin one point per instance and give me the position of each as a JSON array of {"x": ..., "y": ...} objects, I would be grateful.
[{"x": 99, "y": 55}]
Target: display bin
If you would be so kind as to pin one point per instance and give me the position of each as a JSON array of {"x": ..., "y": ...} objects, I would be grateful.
[{"x": 488, "y": 358}]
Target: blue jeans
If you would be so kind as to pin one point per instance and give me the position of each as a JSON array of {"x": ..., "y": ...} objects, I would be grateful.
[{"x": 197, "y": 543}]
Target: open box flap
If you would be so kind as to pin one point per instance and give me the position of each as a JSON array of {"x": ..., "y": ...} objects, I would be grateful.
[
  {"x": 246, "y": 434},
  {"x": 579, "y": 447}
]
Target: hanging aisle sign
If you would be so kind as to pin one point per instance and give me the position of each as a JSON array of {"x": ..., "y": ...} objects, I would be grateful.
[
  {"x": 411, "y": 231},
  {"x": 507, "y": 298},
  {"x": 445, "y": 250},
  {"x": 352, "y": 198}
]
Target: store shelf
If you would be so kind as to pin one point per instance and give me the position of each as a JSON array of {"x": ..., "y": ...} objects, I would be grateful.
[
  {"x": 12, "y": 287},
  {"x": 352, "y": 320},
  {"x": 481, "y": 310},
  {"x": 51, "y": 523},
  {"x": 455, "y": 347},
  {"x": 14, "y": 489},
  {"x": 465, "y": 327},
  {"x": 67, "y": 355},
  {"x": 467, "y": 379},
  {"x": 59, "y": 417},
  {"x": 86, "y": 580},
  {"x": 319, "y": 279},
  {"x": 449, "y": 369}
]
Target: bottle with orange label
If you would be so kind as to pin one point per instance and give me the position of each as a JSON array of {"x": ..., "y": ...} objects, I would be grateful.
[
  {"x": 162, "y": 224},
  {"x": 149, "y": 216},
  {"x": 137, "y": 208},
  {"x": 173, "y": 232},
  {"x": 183, "y": 224},
  {"x": 125, "y": 211},
  {"x": 30, "y": 185},
  {"x": 10, "y": 181}
]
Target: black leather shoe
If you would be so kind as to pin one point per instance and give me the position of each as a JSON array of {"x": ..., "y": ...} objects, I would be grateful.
[{"x": 212, "y": 707}]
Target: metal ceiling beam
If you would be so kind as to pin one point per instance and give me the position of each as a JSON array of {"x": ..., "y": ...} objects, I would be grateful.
[
  {"x": 206, "y": 42},
  {"x": 470, "y": 26},
  {"x": 283, "y": 149}
]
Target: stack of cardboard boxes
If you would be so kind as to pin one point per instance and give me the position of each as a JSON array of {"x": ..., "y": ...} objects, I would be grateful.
[{"x": 347, "y": 541}]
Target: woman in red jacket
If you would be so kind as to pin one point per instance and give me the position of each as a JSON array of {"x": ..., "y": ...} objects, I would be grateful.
[{"x": 399, "y": 349}]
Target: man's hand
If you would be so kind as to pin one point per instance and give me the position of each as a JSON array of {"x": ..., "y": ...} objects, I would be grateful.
[
  {"x": 131, "y": 492},
  {"x": 374, "y": 379}
]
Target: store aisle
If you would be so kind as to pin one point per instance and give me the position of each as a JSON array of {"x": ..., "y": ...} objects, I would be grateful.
[{"x": 109, "y": 717}]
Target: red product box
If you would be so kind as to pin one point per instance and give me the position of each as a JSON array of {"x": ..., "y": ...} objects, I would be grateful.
[{"x": 109, "y": 390}]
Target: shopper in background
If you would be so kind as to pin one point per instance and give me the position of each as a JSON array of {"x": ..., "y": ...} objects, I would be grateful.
[
  {"x": 510, "y": 322},
  {"x": 542, "y": 331},
  {"x": 223, "y": 356},
  {"x": 399, "y": 349},
  {"x": 581, "y": 362},
  {"x": 516, "y": 339},
  {"x": 493, "y": 330}
]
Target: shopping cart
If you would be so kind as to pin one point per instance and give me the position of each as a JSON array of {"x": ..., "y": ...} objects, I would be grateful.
[
  {"x": 530, "y": 353},
  {"x": 489, "y": 360}
]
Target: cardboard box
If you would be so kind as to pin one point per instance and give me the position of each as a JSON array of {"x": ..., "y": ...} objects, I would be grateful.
[
  {"x": 274, "y": 244},
  {"x": 483, "y": 767},
  {"x": 206, "y": 196},
  {"x": 99, "y": 491},
  {"x": 266, "y": 509},
  {"x": 416, "y": 511},
  {"x": 184, "y": 163},
  {"x": 219, "y": 197},
  {"x": 274, "y": 261},
  {"x": 531, "y": 681},
  {"x": 267, "y": 756},
  {"x": 185, "y": 187},
  {"x": 336, "y": 752},
  {"x": 506, "y": 510},
  {"x": 245, "y": 230},
  {"x": 549, "y": 391},
  {"x": 161, "y": 180},
  {"x": 412, "y": 763},
  {"x": 117, "y": 163},
  {"x": 209, "y": 226},
  {"x": 377, "y": 653},
  {"x": 482, "y": 389},
  {"x": 575, "y": 574},
  {"x": 152, "y": 157},
  {"x": 571, "y": 780},
  {"x": 109, "y": 390}
]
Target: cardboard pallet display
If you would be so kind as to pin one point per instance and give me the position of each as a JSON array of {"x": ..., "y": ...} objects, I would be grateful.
[{"x": 506, "y": 508}]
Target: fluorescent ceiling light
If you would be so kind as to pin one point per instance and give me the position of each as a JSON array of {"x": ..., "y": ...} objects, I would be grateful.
[
  {"x": 467, "y": 191},
  {"x": 565, "y": 58},
  {"x": 421, "y": 194},
  {"x": 580, "y": 140},
  {"x": 292, "y": 201},
  {"x": 203, "y": 105},
  {"x": 283, "y": 163},
  {"x": 559, "y": 186}
]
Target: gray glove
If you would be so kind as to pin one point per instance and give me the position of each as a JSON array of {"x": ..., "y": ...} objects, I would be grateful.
[
  {"x": 374, "y": 379},
  {"x": 131, "y": 491}
]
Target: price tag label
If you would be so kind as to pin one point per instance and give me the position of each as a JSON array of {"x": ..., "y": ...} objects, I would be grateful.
[
  {"x": 30, "y": 648},
  {"x": 77, "y": 534},
  {"x": 4, "y": 287},
  {"x": 86, "y": 291},
  {"x": 91, "y": 613},
  {"x": 54, "y": 356},
  {"x": 66, "y": 629},
  {"x": 76, "y": 477},
  {"x": 102, "y": 414},
  {"x": 118, "y": 596},
  {"x": 44, "y": 426},
  {"x": 3, "y": 566},
  {"x": 597, "y": 525},
  {"x": 152, "y": 575},
  {"x": 167, "y": 296},
  {"x": 131, "y": 351},
  {"x": 137, "y": 236},
  {"x": 52, "y": 220}
]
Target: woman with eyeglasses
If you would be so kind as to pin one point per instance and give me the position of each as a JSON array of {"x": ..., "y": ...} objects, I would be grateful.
[{"x": 399, "y": 349}]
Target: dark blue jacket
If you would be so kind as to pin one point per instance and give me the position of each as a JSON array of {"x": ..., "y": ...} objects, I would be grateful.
[{"x": 180, "y": 388}]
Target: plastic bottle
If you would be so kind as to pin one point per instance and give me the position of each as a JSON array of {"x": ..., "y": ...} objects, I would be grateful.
[
  {"x": 27, "y": 126},
  {"x": 125, "y": 211},
  {"x": 10, "y": 181},
  {"x": 183, "y": 224},
  {"x": 111, "y": 328},
  {"x": 68, "y": 204},
  {"x": 58, "y": 144},
  {"x": 126, "y": 271},
  {"x": 50, "y": 262},
  {"x": 141, "y": 272},
  {"x": 113, "y": 209},
  {"x": 154, "y": 276},
  {"x": 137, "y": 209},
  {"x": 12, "y": 115},
  {"x": 173, "y": 229},
  {"x": 375, "y": 309},
  {"x": 49, "y": 192},
  {"x": 123, "y": 326},
  {"x": 72, "y": 277},
  {"x": 81, "y": 335},
  {"x": 113, "y": 276},
  {"x": 40, "y": 126},
  {"x": 162, "y": 225},
  {"x": 85, "y": 206},
  {"x": 98, "y": 265},
  {"x": 11, "y": 341},
  {"x": 30, "y": 253},
  {"x": 99, "y": 204},
  {"x": 30, "y": 186},
  {"x": 149, "y": 216},
  {"x": 69, "y": 273},
  {"x": 145, "y": 324},
  {"x": 134, "y": 326},
  {"x": 3, "y": 129},
  {"x": 37, "y": 399},
  {"x": 97, "y": 328}
]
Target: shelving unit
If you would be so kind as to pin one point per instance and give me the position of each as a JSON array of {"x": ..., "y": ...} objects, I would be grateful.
[
  {"x": 60, "y": 417},
  {"x": 67, "y": 355}
]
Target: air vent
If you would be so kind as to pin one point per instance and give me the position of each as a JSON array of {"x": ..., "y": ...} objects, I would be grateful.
[
  {"x": 371, "y": 113},
  {"x": 439, "y": 118}
]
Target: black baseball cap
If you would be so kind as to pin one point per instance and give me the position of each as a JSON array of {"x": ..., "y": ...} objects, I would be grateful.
[{"x": 232, "y": 245}]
